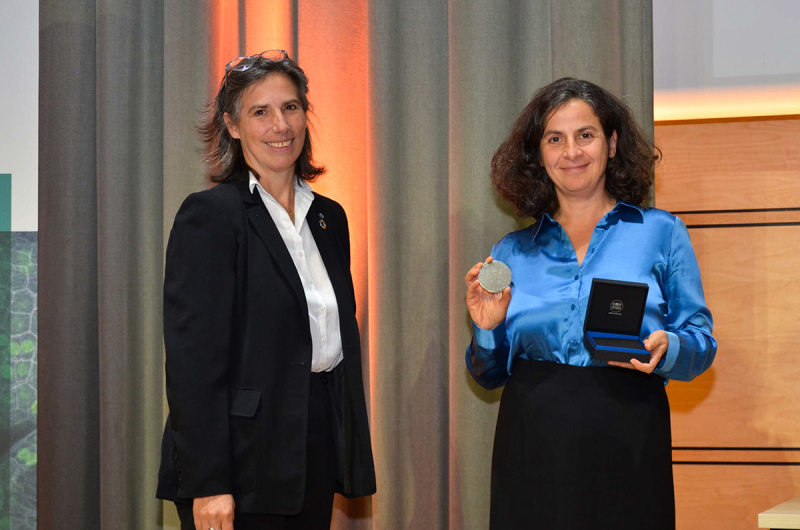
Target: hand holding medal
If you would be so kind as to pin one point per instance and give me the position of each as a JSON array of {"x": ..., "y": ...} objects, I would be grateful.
[{"x": 488, "y": 293}]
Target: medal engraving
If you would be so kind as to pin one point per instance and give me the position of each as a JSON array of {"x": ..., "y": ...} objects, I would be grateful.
[{"x": 494, "y": 276}]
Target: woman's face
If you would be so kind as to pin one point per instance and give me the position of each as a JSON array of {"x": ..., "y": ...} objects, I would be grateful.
[
  {"x": 271, "y": 126},
  {"x": 575, "y": 151}
]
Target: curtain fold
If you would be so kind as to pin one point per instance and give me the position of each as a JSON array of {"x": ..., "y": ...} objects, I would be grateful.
[
  {"x": 101, "y": 170},
  {"x": 130, "y": 166},
  {"x": 408, "y": 252},
  {"x": 68, "y": 481},
  {"x": 188, "y": 46},
  {"x": 411, "y": 99}
]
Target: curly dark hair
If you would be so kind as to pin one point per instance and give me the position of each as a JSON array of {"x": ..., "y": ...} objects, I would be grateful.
[
  {"x": 223, "y": 153},
  {"x": 517, "y": 171}
]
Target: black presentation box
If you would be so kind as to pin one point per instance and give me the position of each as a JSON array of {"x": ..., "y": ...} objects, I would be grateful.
[{"x": 614, "y": 320}]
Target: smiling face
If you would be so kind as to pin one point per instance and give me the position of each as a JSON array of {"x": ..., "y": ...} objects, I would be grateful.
[
  {"x": 271, "y": 126},
  {"x": 575, "y": 151}
]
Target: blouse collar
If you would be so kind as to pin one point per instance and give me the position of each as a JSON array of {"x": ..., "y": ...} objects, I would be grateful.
[{"x": 622, "y": 211}]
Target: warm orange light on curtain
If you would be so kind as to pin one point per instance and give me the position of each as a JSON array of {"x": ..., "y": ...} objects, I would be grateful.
[
  {"x": 268, "y": 24},
  {"x": 263, "y": 25},
  {"x": 224, "y": 45}
]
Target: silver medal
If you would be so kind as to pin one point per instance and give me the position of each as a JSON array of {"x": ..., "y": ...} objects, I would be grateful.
[{"x": 494, "y": 276}]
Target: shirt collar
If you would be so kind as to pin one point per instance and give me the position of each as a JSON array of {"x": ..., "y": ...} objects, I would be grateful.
[
  {"x": 253, "y": 182},
  {"x": 545, "y": 220},
  {"x": 300, "y": 186},
  {"x": 622, "y": 211},
  {"x": 303, "y": 196}
]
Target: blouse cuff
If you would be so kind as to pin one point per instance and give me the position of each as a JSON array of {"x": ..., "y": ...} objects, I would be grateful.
[
  {"x": 489, "y": 339},
  {"x": 672, "y": 352}
]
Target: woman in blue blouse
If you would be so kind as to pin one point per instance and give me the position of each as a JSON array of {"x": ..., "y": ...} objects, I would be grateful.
[{"x": 579, "y": 443}]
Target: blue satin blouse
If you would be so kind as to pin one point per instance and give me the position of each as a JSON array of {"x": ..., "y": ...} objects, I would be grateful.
[{"x": 550, "y": 292}]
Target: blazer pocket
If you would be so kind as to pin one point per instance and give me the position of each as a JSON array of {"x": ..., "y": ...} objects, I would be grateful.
[
  {"x": 245, "y": 438},
  {"x": 244, "y": 402}
]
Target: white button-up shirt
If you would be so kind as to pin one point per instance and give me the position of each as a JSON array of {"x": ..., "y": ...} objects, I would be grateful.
[{"x": 323, "y": 311}]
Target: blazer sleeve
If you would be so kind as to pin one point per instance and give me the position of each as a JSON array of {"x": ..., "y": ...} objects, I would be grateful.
[{"x": 199, "y": 297}]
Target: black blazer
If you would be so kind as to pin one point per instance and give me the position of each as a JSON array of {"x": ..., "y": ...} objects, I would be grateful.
[{"x": 238, "y": 355}]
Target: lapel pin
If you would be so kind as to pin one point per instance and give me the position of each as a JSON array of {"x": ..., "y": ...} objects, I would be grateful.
[{"x": 322, "y": 222}]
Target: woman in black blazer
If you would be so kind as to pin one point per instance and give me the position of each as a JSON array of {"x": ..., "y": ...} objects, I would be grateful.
[{"x": 263, "y": 358}]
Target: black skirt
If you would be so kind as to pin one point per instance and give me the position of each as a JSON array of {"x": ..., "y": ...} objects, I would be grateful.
[{"x": 582, "y": 448}]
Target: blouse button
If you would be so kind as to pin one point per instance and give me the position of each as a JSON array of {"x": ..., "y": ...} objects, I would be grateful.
[
  {"x": 324, "y": 340},
  {"x": 300, "y": 253},
  {"x": 575, "y": 278},
  {"x": 574, "y": 307}
]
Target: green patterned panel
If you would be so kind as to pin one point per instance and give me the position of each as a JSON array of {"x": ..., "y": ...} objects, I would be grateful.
[
  {"x": 18, "y": 374},
  {"x": 5, "y": 351},
  {"x": 5, "y": 379},
  {"x": 23, "y": 351}
]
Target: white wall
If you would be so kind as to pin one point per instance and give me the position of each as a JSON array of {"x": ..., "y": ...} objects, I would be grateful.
[
  {"x": 19, "y": 108},
  {"x": 741, "y": 53}
]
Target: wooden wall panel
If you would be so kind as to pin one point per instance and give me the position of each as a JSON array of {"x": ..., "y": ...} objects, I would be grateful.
[
  {"x": 736, "y": 428},
  {"x": 751, "y": 278},
  {"x": 729, "y": 164},
  {"x": 711, "y": 497}
]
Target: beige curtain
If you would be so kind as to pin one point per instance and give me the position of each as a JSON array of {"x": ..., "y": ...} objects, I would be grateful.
[{"x": 411, "y": 99}]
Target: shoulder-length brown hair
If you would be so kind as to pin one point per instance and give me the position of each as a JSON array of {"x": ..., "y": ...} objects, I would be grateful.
[
  {"x": 223, "y": 153},
  {"x": 517, "y": 171}
]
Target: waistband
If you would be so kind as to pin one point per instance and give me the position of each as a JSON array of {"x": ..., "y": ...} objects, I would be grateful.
[{"x": 605, "y": 379}]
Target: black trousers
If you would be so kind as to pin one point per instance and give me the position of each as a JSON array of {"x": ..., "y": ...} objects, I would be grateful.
[
  {"x": 581, "y": 448},
  {"x": 320, "y": 471}
]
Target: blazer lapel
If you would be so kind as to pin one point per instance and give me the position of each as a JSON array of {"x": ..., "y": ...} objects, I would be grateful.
[
  {"x": 265, "y": 228},
  {"x": 332, "y": 255}
]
